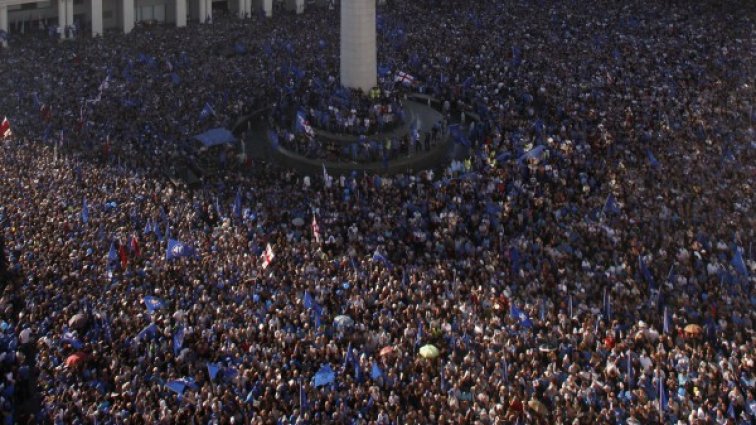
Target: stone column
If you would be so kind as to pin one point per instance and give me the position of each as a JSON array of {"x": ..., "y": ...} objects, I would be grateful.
[
  {"x": 62, "y": 24},
  {"x": 69, "y": 16},
  {"x": 268, "y": 8},
  {"x": 300, "y": 6},
  {"x": 128, "y": 16},
  {"x": 358, "y": 44},
  {"x": 96, "y": 18},
  {"x": 3, "y": 23},
  {"x": 180, "y": 13},
  {"x": 205, "y": 11}
]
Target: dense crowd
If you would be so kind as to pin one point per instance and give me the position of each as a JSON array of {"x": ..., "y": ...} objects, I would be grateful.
[{"x": 590, "y": 261}]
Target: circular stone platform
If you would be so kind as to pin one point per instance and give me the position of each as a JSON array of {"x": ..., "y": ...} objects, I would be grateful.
[{"x": 422, "y": 115}]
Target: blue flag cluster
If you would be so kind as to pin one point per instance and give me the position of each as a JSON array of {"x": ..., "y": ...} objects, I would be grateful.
[{"x": 177, "y": 249}]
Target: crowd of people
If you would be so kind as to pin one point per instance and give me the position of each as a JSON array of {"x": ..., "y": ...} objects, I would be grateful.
[{"x": 590, "y": 261}]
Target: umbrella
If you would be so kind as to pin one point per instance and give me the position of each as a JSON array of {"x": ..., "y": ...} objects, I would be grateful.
[
  {"x": 538, "y": 407},
  {"x": 299, "y": 222},
  {"x": 78, "y": 321},
  {"x": 75, "y": 359},
  {"x": 693, "y": 330},
  {"x": 429, "y": 351},
  {"x": 343, "y": 321},
  {"x": 385, "y": 351}
]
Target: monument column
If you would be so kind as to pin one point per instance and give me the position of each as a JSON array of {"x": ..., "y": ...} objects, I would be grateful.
[
  {"x": 96, "y": 18},
  {"x": 268, "y": 8},
  {"x": 128, "y": 16},
  {"x": 358, "y": 44},
  {"x": 62, "y": 24},
  {"x": 3, "y": 24},
  {"x": 180, "y": 13}
]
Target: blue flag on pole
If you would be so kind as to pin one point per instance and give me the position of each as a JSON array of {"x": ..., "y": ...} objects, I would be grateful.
[
  {"x": 458, "y": 135},
  {"x": 85, "y": 212},
  {"x": 148, "y": 332},
  {"x": 153, "y": 303},
  {"x": 611, "y": 205},
  {"x": 207, "y": 110},
  {"x": 375, "y": 371},
  {"x": 213, "y": 369},
  {"x": 307, "y": 300},
  {"x": 645, "y": 272},
  {"x": 176, "y": 386},
  {"x": 662, "y": 396},
  {"x": 237, "y": 208},
  {"x": 303, "y": 405},
  {"x": 521, "y": 317},
  {"x": 178, "y": 340},
  {"x": 324, "y": 376},
  {"x": 377, "y": 256},
  {"x": 738, "y": 262},
  {"x": 652, "y": 159},
  {"x": 177, "y": 249}
]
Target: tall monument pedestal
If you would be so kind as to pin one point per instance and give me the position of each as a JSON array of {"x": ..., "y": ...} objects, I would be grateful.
[{"x": 358, "y": 45}]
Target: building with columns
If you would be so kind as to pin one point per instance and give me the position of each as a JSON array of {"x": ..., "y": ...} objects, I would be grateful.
[{"x": 96, "y": 16}]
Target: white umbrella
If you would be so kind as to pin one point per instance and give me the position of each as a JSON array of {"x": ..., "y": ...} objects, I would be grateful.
[{"x": 343, "y": 321}]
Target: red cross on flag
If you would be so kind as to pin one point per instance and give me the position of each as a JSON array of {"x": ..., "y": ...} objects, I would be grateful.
[
  {"x": 5, "y": 130},
  {"x": 267, "y": 257}
]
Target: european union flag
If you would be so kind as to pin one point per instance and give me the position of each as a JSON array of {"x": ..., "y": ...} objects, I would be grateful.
[
  {"x": 207, "y": 110},
  {"x": 85, "y": 212},
  {"x": 652, "y": 159},
  {"x": 237, "y": 208},
  {"x": 213, "y": 369},
  {"x": 375, "y": 371},
  {"x": 112, "y": 254},
  {"x": 646, "y": 273},
  {"x": 458, "y": 135},
  {"x": 738, "y": 262},
  {"x": 153, "y": 303},
  {"x": 535, "y": 153},
  {"x": 307, "y": 300},
  {"x": 149, "y": 331},
  {"x": 611, "y": 205},
  {"x": 662, "y": 396},
  {"x": 377, "y": 256},
  {"x": 176, "y": 386},
  {"x": 357, "y": 372},
  {"x": 178, "y": 340},
  {"x": 177, "y": 249},
  {"x": 324, "y": 376},
  {"x": 521, "y": 317}
]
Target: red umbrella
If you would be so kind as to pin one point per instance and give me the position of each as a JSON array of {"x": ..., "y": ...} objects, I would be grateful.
[
  {"x": 385, "y": 351},
  {"x": 75, "y": 359}
]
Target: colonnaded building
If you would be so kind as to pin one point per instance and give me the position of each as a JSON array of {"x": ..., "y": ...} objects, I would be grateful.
[{"x": 78, "y": 17}]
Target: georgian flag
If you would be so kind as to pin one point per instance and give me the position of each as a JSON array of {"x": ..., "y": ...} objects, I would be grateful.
[
  {"x": 5, "y": 130},
  {"x": 315, "y": 229},
  {"x": 267, "y": 257},
  {"x": 404, "y": 78}
]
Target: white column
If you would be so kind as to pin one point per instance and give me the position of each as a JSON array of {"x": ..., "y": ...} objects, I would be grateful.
[
  {"x": 300, "y": 6},
  {"x": 4, "y": 23},
  {"x": 128, "y": 16},
  {"x": 205, "y": 10},
  {"x": 62, "y": 18},
  {"x": 268, "y": 8},
  {"x": 358, "y": 44},
  {"x": 209, "y": 10},
  {"x": 245, "y": 8},
  {"x": 180, "y": 13},
  {"x": 69, "y": 15},
  {"x": 96, "y": 18}
]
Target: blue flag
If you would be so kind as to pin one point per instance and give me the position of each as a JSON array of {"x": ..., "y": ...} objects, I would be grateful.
[
  {"x": 324, "y": 376},
  {"x": 237, "y": 208},
  {"x": 646, "y": 273},
  {"x": 178, "y": 340},
  {"x": 177, "y": 249},
  {"x": 611, "y": 205},
  {"x": 521, "y": 317},
  {"x": 738, "y": 262},
  {"x": 662, "y": 396},
  {"x": 112, "y": 255},
  {"x": 307, "y": 300},
  {"x": 148, "y": 227},
  {"x": 535, "y": 153},
  {"x": 213, "y": 369},
  {"x": 85, "y": 212},
  {"x": 148, "y": 332},
  {"x": 458, "y": 135},
  {"x": 652, "y": 159},
  {"x": 375, "y": 371},
  {"x": 176, "y": 386},
  {"x": 207, "y": 110},
  {"x": 357, "y": 372},
  {"x": 273, "y": 138},
  {"x": 377, "y": 256},
  {"x": 153, "y": 303}
]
